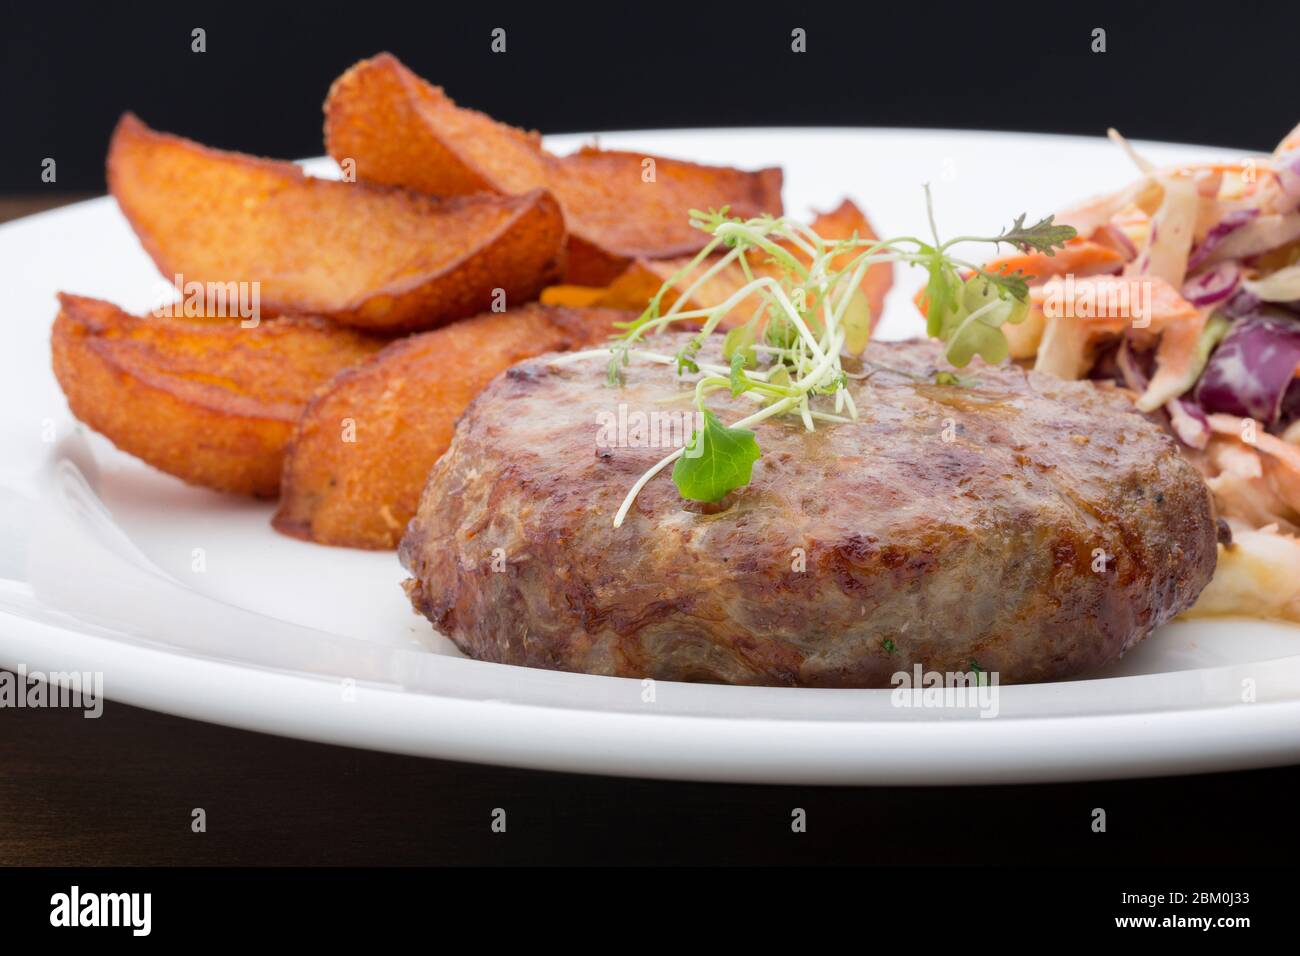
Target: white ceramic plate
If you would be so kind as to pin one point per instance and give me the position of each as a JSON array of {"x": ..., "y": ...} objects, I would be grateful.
[{"x": 98, "y": 558}]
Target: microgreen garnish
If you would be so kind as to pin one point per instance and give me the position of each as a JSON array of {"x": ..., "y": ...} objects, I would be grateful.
[
  {"x": 806, "y": 308},
  {"x": 952, "y": 378},
  {"x": 1043, "y": 236},
  {"x": 740, "y": 382},
  {"x": 718, "y": 459}
]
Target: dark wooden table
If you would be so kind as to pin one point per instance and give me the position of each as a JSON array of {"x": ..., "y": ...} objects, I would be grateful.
[{"x": 121, "y": 790}]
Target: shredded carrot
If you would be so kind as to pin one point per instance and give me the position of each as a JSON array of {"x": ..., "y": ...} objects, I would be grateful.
[
  {"x": 1080, "y": 257},
  {"x": 1281, "y": 451},
  {"x": 1115, "y": 301}
]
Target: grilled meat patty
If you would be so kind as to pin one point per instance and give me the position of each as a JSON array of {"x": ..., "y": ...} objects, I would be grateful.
[{"x": 1027, "y": 525}]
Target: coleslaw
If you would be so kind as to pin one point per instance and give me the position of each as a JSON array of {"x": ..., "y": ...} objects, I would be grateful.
[{"x": 1184, "y": 287}]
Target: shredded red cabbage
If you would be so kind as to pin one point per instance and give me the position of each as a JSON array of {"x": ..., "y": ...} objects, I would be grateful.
[
  {"x": 1243, "y": 303},
  {"x": 1221, "y": 230},
  {"x": 1250, "y": 372},
  {"x": 1214, "y": 284}
]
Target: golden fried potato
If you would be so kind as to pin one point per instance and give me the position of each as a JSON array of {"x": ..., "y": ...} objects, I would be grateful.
[
  {"x": 206, "y": 400},
  {"x": 362, "y": 451},
  {"x": 573, "y": 296},
  {"x": 376, "y": 258},
  {"x": 618, "y": 206},
  {"x": 639, "y": 282}
]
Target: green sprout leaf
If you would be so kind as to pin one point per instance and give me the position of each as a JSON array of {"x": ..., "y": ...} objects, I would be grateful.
[
  {"x": 711, "y": 220},
  {"x": 717, "y": 460},
  {"x": 686, "y": 357},
  {"x": 1043, "y": 236},
  {"x": 975, "y": 326},
  {"x": 740, "y": 382},
  {"x": 841, "y": 380},
  {"x": 780, "y": 332},
  {"x": 942, "y": 293},
  {"x": 977, "y": 292},
  {"x": 952, "y": 378},
  {"x": 1014, "y": 284},
  {"x": 979, "y": 334},
  {"x": 857, "y": 323},
  {"x": 740, "y": 341}
]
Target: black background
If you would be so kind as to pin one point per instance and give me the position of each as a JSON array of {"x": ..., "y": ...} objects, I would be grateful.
[{"x": 1222, "y": 75}]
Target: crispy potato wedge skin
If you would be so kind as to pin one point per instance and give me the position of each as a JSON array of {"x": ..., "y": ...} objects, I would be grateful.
[
  {"x": 639, "y": 282},
  {"x": 614, "y": 216},
  {"x": 202, "y": 399},
  {"x": 401, "y": 408},
  {"x": 376, "y": 258},
  {"x": 403, "y": 131}
]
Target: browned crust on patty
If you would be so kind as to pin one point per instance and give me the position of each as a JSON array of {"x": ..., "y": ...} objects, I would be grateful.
[{"x": 854, "y": 552}]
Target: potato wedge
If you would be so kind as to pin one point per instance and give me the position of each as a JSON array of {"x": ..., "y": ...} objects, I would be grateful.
[
  {"x": 639, "y": 282},
  {"x": 202, "y": 399},
  {"x": 618, "y": 206},
  {"x": 362, "y": 451},
  {"x": 376, "y": 258}
]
